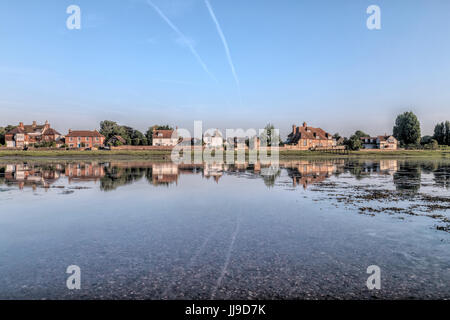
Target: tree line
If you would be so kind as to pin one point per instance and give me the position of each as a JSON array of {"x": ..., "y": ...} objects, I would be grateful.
[
  {"x": 131, "y": 136},
  {"x": 408, "y": 133}
]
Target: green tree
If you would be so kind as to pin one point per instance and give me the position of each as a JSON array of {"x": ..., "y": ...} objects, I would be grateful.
[
  {"x": 447, "y": 133},
  {"x": 439, "y": 133},
  {"x": 110, "y": 128},
  {"x": 2, "y": 136},
  {"x": 354, "y": 142},
  {"x": 426, "y": 140},
  {"x": 432, "y": 144},
  {"x": 407, "y": 129}
]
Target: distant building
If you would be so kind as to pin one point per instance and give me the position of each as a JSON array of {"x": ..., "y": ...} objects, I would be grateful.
[
  {"x": 214, "y": 140},
  {"x": 166, "y": 138},
  {"x": 114, "y": 140},
  {"x": 380, "y": 142},
  {"x": 306, "y": 138},
  {"x": 84, "y": 139},
  {"x": 25, "y": 135}
]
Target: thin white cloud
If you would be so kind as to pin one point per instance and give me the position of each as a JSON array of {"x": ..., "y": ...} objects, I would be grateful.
[
  {"x": 185, "y": 39},
  {"x": 225, "y": 44}
]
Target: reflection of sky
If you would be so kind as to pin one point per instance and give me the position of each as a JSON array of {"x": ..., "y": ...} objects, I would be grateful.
[{"x": 294, "y": 61}]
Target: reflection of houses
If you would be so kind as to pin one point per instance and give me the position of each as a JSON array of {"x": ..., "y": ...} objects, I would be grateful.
[
  {"x": 164, "y": 173},
  {"x": 308, "y": 172},
  {"x": 29, "y": 175},
  {"x": 377, "y": 167},
  {"x": 24, "y": 135},
  {"x": 380, "y": 142},
  {"x": 214, "y": 170},
  {"x": 389, "y": 166},
  {"x": 84, "y": 171},
  {"x": 305, "y": 138}
]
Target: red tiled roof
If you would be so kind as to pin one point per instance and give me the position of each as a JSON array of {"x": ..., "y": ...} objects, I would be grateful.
[
  {"x": 16, "y": 130},
  {"x": 305, "y": 132},
  {"x": 32, "y": 129},
  {"x": 84, "y": 133},
  {"x": 165, "y": 134},
  {"x": 51, "y": 131}
]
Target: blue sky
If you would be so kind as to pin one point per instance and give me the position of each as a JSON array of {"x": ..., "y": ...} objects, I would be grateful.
[{"x": 293, "y": 60}]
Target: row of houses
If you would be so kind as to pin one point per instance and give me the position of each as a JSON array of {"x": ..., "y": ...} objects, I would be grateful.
[
  {"x": 28, "y": 135},
  {"x": 300, "y": 138},
  {"x": 306, "y": 138}
]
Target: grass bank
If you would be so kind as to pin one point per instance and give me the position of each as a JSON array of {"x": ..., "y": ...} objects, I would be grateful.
[{"x": 165, "y": 154}]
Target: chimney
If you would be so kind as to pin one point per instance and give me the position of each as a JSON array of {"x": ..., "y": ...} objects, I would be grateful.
[
  {"x": 47, "y": 125},
  {"x": 34, "y": 124},
  {"x": 70, "y": 131},
  {"x": 294, "y": 127},
  {"x": 304, "y": 124},
  {"x": 21, "y": 125}
]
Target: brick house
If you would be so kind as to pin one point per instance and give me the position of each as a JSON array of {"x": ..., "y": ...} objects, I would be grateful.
[
  {"x": 380, "y": 142},
  {"x": 167, "y": 138},
  {"x": 306, "y": 138},
  {"x": 24, "y": 135},
  {"x": 84, "y": 139}
]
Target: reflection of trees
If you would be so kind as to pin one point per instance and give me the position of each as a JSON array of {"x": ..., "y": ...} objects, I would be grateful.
[
  {"x": 408, "y": 177},
  {"x": 442, "y": 176},
  {"x": 356, "y": 169},
  {"x": 2, "y": 174},
  {"x": 115, "y": 177},
  {"x": 269, "y": 180}
]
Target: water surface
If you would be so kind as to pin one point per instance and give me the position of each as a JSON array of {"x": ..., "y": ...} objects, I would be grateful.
[{"x": 156, "y": 230}]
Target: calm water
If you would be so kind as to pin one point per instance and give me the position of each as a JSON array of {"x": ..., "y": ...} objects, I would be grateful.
[{"x": 155, "y": 230}]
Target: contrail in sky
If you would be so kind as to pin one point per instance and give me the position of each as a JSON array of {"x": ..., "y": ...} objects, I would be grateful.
[
  {"x": 183, "y": 37},
  {"x": 225, "y": 44}
]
